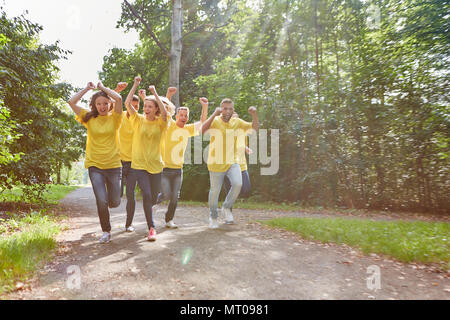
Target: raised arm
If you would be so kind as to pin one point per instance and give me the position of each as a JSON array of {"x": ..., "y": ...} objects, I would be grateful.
[
  {"x": 142, "y": 94},
  {"x": 130, "y": 109},
  {"x": 254, "y": 114},
  {"x": 120, "y": 87},
  {"x": 170, "y": 92},
  {"x": 114, "y": 96},
  {"x": 73, "y": 102},
  {"x": 207, "y": 124},
  {"x": 162, "y": 109},
  {"x": 204, "y": 102}
]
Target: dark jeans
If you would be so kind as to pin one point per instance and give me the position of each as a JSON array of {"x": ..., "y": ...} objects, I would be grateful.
[
  {"x": 171, "y": 181},
  {"x": 245, "y": 190},
  {"x": 126, "y": 166},
  {"x": 106, "y": 186},
  {"x": 150, "y": 185}
]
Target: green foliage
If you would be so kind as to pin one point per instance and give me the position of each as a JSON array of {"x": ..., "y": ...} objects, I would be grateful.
[
  {"x": 407, "y": 241},
  {"x": 34, "y": 123},
  {"x": 47, "y": 194},
  {"x": 25, "y": 242},
  {"x": 362, "y": 107}
]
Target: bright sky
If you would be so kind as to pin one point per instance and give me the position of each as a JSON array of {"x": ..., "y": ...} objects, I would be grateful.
[{"x": 85, "y": 27}]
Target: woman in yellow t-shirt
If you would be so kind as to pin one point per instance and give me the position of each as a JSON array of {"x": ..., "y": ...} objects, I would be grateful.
[
  {"x": 146, "y": 160},
  {"x": 102, "y": 148}
]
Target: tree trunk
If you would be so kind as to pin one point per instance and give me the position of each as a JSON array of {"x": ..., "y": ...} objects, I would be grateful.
[
  {"x": 176, "y": 48},
  {"x": 316, "y": 41}
]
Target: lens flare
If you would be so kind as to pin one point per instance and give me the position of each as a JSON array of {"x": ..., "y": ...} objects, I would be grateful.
[{"x": 187, "y": 255}]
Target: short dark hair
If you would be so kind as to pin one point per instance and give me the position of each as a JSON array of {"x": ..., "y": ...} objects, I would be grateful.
[
  {"x": 135, "y": 98},
  {"x": 227, "y": 100}
]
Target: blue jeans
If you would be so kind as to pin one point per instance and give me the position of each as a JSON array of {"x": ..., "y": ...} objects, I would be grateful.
[
  {"x": 106, "y": 186},
  {"x": 246, "y": 187},
  {"x": 216, "y": 182},
  {"x": 126, "y": 166},
  {"x": 150, "y": 185},
  {"x": 171, "y": 181}
]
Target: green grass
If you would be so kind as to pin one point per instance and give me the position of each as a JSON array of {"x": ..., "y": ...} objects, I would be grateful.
[
  {"x": 27, "y": 240},
  {"x": 423, "y": 242},
  {"x": 52, "y": 195},
  {"x": 25, "y": 243},
  {"x": 250, "y": 205}
]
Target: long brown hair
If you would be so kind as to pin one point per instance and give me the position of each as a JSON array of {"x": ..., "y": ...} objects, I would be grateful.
[
  {"x": 94, "y": 112},
  {"x": 152, "y": 98}
]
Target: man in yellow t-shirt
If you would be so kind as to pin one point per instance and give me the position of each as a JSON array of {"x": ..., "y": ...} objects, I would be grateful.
[
  {"x": 173, "y": 147},
  {"x": 222, "y": 156},
  {"x": 242, "y": 149}
]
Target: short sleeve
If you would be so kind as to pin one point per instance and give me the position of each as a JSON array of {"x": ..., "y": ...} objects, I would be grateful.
[
  {"x": 163, "y": 124},
  {"x": 214, "y": 123},
  {"x": 244, "y": 125},
  {"x": 134, "y": 120},
  {"x": 191, "y": 128},
  {"x": 80, "y": 116},
  {"x": 117, "y": 119}
]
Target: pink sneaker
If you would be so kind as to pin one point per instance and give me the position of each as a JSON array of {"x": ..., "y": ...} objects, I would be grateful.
[{"x": 151, "y": 234}]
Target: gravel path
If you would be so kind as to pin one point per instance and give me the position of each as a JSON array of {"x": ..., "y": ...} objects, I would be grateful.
[{"x": 243, "y": 261}]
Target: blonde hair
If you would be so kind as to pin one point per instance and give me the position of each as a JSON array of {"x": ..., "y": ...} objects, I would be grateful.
[
  {"x": 183, "y": 108},
  {"x": 170, "y": 107},
  {"x": 153, "y": 99}
]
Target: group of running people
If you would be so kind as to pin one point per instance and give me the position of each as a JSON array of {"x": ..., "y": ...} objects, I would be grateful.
[{"x": 125, "y": 149}]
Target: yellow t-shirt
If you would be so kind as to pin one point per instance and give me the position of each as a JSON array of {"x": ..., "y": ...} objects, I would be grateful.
[
  {"x": 102, "y": 146},
  {"x": 174, "y": 144},
  {"x": 126, "y": 138},
  {"x": 222, "y": 150},
  {"x": 146, "y": 152}
]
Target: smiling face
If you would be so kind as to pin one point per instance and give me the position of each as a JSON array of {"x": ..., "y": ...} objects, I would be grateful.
[
  {"x": 182, "y": 116},
  {"x": 150, "y": 108},
  {"x": 101, "y": 103},
  {"x": 227, "y": 111}
]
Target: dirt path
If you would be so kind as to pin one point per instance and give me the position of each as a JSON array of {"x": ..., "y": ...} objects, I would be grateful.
[{"x": 244, "y": 261}]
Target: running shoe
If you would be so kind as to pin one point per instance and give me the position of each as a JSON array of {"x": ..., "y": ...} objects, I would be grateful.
[
  {"x": 106, "y": 237},
  {"x": 228, "y": 216},
  {"x": 171, "y": 225},
  {"x": 151, "y": 234}
]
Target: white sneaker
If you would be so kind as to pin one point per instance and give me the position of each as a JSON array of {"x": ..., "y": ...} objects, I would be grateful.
[
  {"x": 106, "y": 237},
  {"x": 228, "y": 216},
  {"x": 130, "y": 229},
  {"x": 171, "y": 225},
  {"x": 213, "y": 223}
]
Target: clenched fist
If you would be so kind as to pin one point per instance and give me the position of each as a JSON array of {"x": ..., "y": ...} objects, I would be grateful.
[{"x": 90, "y": 86}]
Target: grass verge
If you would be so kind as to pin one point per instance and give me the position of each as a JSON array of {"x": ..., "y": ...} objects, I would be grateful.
[
  {"x": 408, "y": 241},
  {"x": 27, "y": 238},
  {"x": 25, "y": 243},
  {"x": 53, "y": 194}
]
